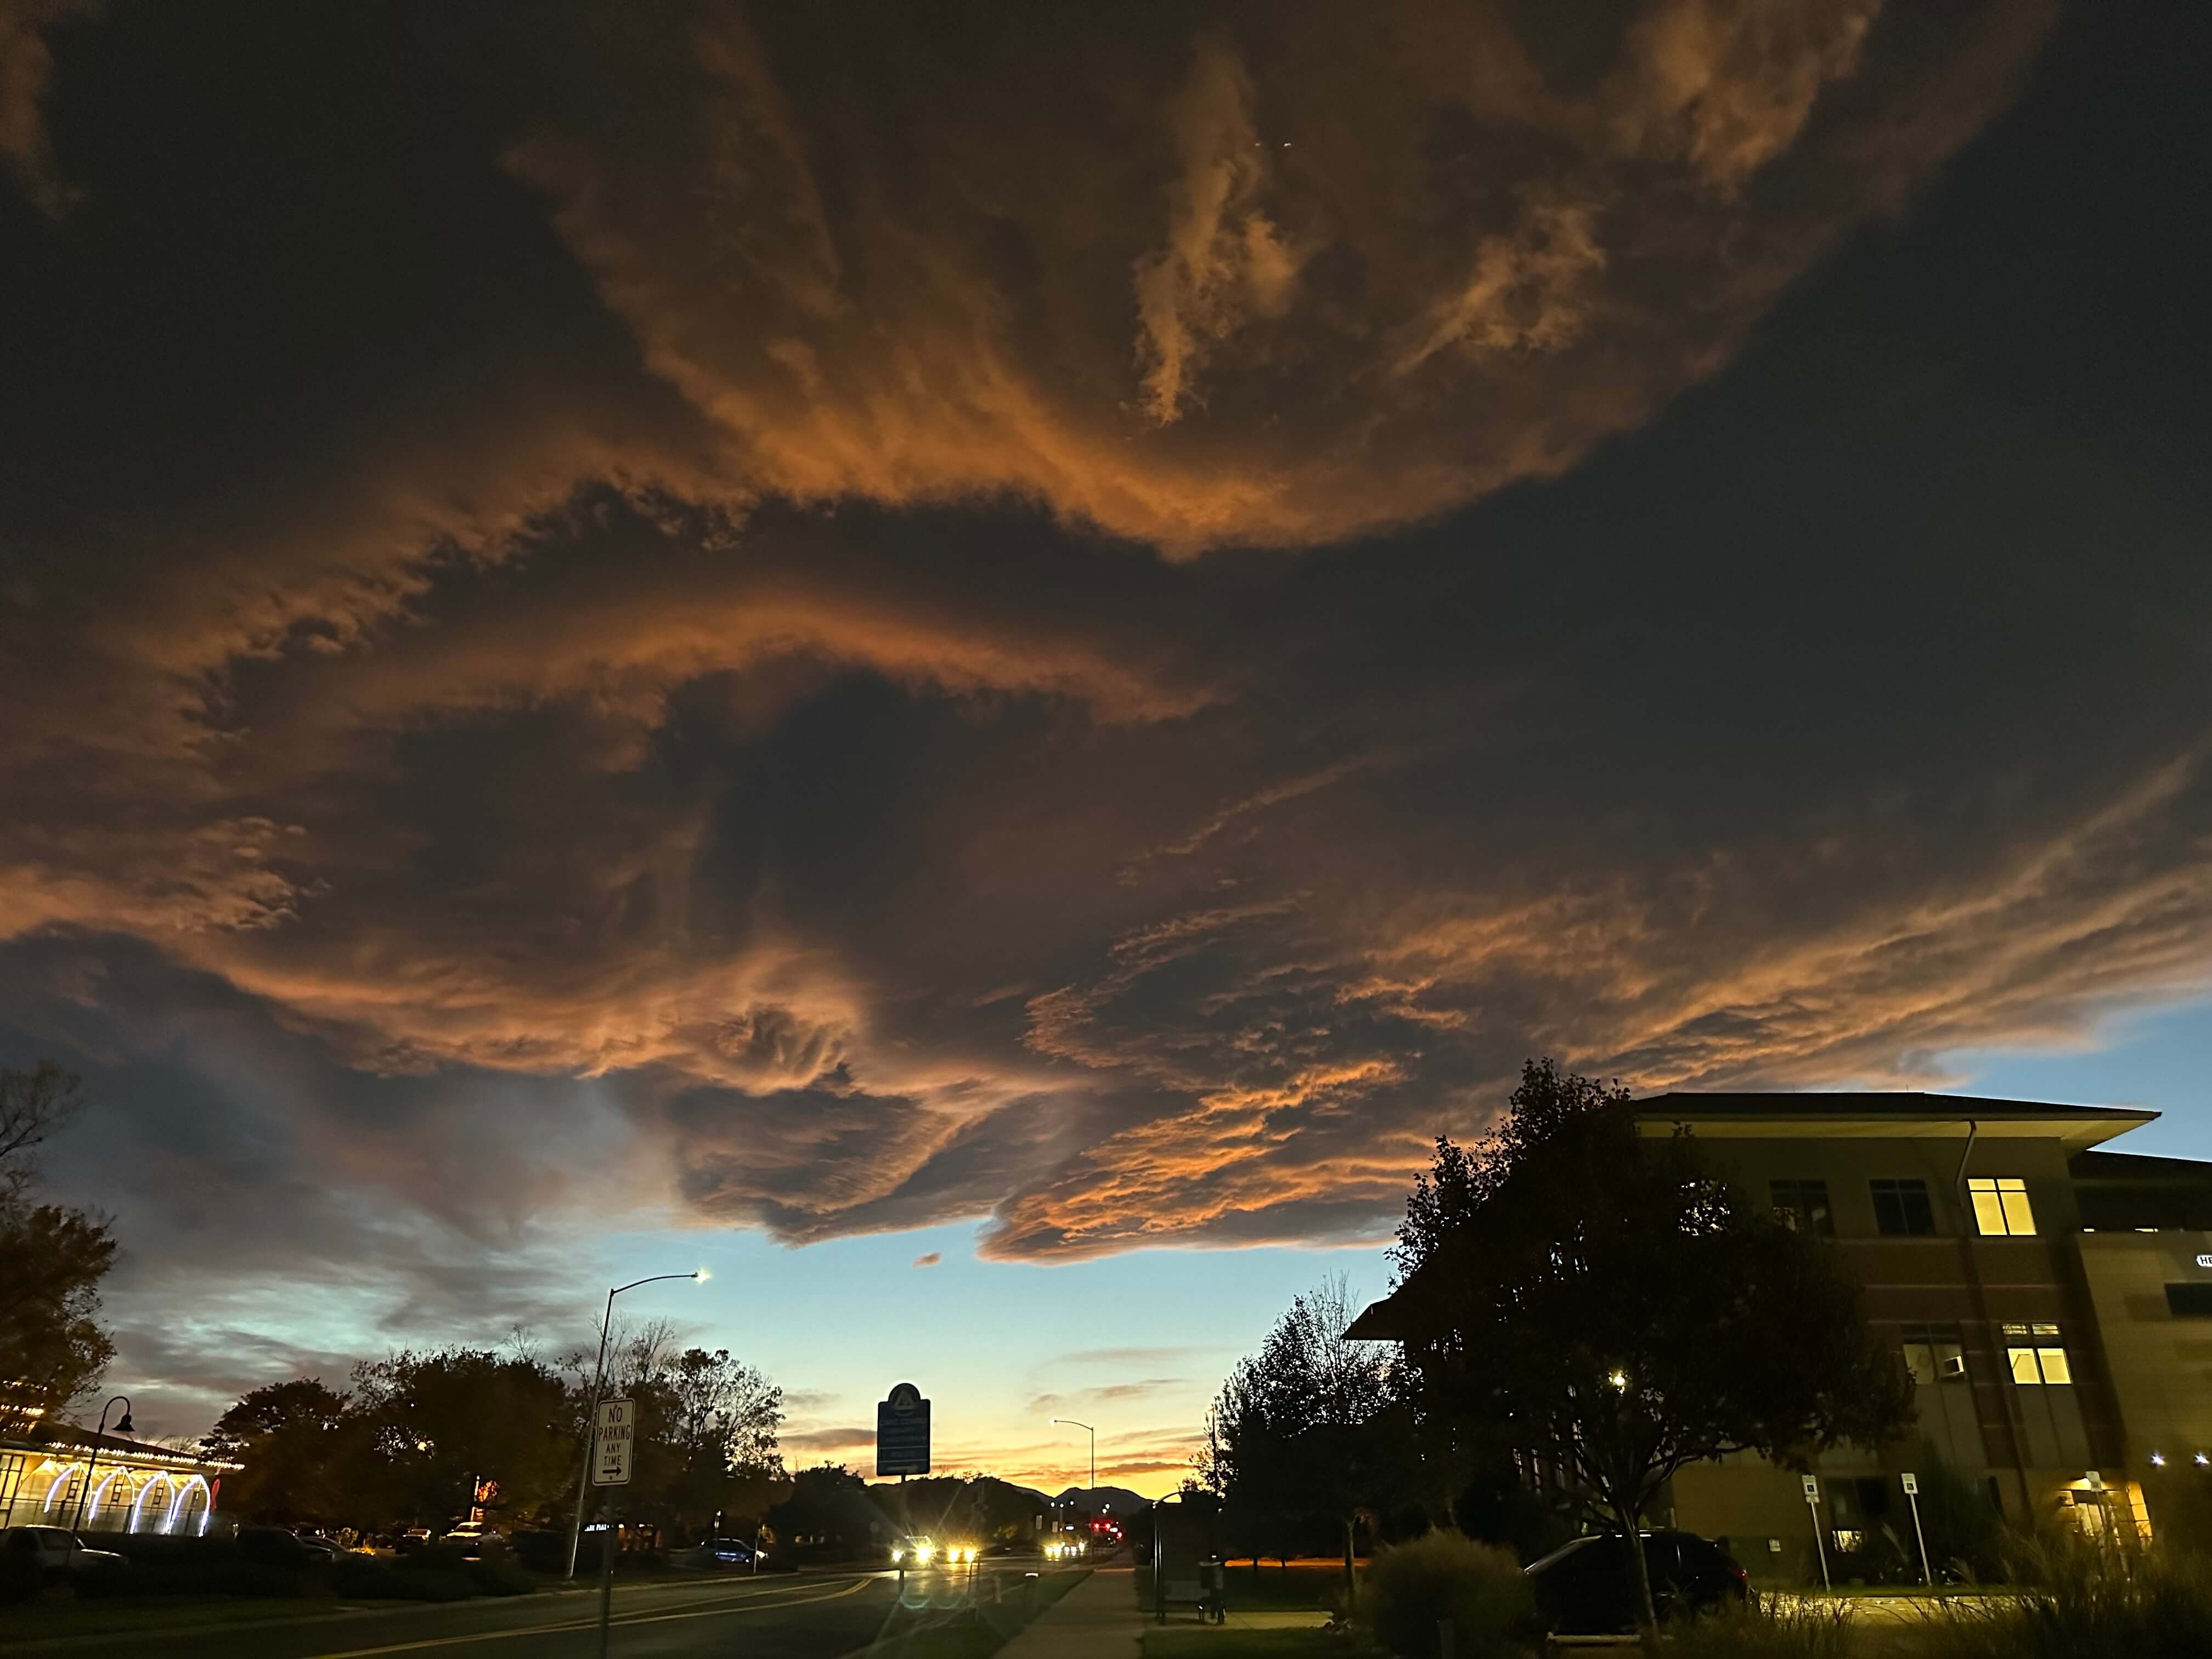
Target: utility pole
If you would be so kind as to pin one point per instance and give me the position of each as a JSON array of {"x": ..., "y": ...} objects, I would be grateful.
[{"x": 591, "y": 1412}]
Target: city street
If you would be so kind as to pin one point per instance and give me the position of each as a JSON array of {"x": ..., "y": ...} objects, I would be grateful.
[{"x": 809, "y": 1617}]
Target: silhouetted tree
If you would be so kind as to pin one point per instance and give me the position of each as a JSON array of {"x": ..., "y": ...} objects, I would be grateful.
[
  {"x": 435, "y": 1422},
  {"x": 830, "y": 1504},
  {"x": 1617, "y": 1311},
  {"x": 52, "y": 1349},
  {"x": 303, "y": 1451},
  {"x": 706, "y": 1427},
  {"x": 1307, "y": 1433}
]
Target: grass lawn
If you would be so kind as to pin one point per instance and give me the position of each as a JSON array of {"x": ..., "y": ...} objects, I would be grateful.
[
  {"x": 1304, "y": 1585},
  {"x": 1196, "y": 1641}
]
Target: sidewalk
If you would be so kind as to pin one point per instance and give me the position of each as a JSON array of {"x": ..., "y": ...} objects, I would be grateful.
[{"x": 1096, "y": 1619}]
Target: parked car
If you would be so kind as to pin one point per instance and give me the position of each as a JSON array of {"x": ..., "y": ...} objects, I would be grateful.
[
  {"x": 727, "y": 1553},
  {"x": 322, "y": 1548},
  {"x": 414, "y": 1539},
  {"x": 277, "y": 1546},
  {"x": 472, "y": 1538},
  {"x": 53, "y": 1554},
  {"x": 1588, "y": 1587}
]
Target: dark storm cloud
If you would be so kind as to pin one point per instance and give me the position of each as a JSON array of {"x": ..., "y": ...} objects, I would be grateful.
[
  {"x": 25, "y": 67},
  {"x": 697, "y": 594}
]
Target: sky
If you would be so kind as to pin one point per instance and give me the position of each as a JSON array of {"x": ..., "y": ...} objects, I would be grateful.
[{"x": 975, "y": 664}]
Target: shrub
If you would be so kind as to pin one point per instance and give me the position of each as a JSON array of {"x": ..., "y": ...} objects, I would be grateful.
[
  {"x": 1773, "y": 1631},
  {"x": 219, "y": 1574},
  {"x": 499, "y": 1573},
  {"x": 545, "y": 1551},
  {"x": 2073, "y": 1598},
  {"x": 1412, "y": 1588}
]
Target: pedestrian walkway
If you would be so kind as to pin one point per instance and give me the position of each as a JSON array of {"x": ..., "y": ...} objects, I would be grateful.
[{"x": 1096, "y": 1619}]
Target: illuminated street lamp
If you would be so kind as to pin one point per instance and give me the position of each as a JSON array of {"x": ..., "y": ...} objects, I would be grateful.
[
  {"x": 591, "y": 1416},
  {"x": 1093, "y": 1433},
  {"x": 121, "y": 1427}
]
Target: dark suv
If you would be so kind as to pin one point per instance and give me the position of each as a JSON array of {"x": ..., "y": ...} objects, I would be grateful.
[{"x": 1588, "y": 1588}]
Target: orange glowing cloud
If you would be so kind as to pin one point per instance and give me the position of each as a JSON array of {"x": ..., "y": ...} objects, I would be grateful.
[{"x": 1279, "y": 281}]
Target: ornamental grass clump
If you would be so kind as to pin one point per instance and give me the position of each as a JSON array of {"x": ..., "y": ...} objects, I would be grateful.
[
  {"x": 1775, "y": 1630},
  {"x": 2072, "y": 1598},
  {"x": 1410, "y": 1589}
]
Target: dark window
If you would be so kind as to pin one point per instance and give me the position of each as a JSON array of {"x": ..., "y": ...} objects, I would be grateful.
[
  {"x": 2191, "y": 1301},
  {"x": 1934, "y": 1354},
  {"x": 1872, "y": 1492},
  {"x": 1803, "y": 1205},
  {"x": 1901, "y": 1208}
]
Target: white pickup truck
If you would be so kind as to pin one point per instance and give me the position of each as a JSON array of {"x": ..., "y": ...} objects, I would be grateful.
[{"x": 54, "y": 1553}]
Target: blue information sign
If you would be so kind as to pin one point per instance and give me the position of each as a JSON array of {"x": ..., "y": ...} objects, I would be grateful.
[{"x": 903, "y": 1432}]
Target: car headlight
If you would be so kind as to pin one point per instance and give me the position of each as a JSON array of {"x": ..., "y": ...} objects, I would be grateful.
[{"x": 922, "y": 1552}]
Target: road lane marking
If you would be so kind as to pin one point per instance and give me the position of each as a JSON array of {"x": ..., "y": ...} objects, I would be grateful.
[{"x": 757, "y": 1603}]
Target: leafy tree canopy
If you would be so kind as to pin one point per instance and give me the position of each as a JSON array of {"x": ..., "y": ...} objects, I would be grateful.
[{"x": 1600, "y": 1300}]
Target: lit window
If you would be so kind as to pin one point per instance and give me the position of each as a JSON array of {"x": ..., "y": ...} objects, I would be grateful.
[
  {"x": 2034, "y": 1357},
  {"x": 1802, "y": 1206},
  {"x": 1901, "y": 1208},
  {"x": 2001, "y": 1204}
]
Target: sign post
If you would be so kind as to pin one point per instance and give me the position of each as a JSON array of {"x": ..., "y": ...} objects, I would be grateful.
[
  {"x": 902, "y": 1445},
  {"x": 1912, "y": 1497},
  {"x": 613, "y": 1439},
  {"x": 903, "y": 1432},
  {"x": 1819, "y": 1544}
]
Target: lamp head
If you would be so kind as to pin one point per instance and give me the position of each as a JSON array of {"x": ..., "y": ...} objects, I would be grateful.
[
  {"x": 701, "y": 1276},
  {"x": 124, "y": 1426}
]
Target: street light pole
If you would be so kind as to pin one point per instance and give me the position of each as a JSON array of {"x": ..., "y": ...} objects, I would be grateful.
[
  {"x": 122, "y": 1427},
  {"x": 1093, "y": 1433},
  {"x": 591, "y": 1413}
]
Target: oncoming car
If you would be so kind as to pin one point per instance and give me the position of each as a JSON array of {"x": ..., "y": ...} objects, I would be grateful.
[{"x": 928, "y": 1552}]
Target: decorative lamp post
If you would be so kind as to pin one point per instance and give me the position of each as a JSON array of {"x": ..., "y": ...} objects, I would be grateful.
[{"x": 122, "y": 1427}]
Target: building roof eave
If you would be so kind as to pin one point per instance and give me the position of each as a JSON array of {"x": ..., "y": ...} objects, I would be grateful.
[{"x": 1884, "y": 1117}]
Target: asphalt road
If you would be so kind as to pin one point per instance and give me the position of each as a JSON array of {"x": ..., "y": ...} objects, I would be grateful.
[{"x": 808, "y": 1616}]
